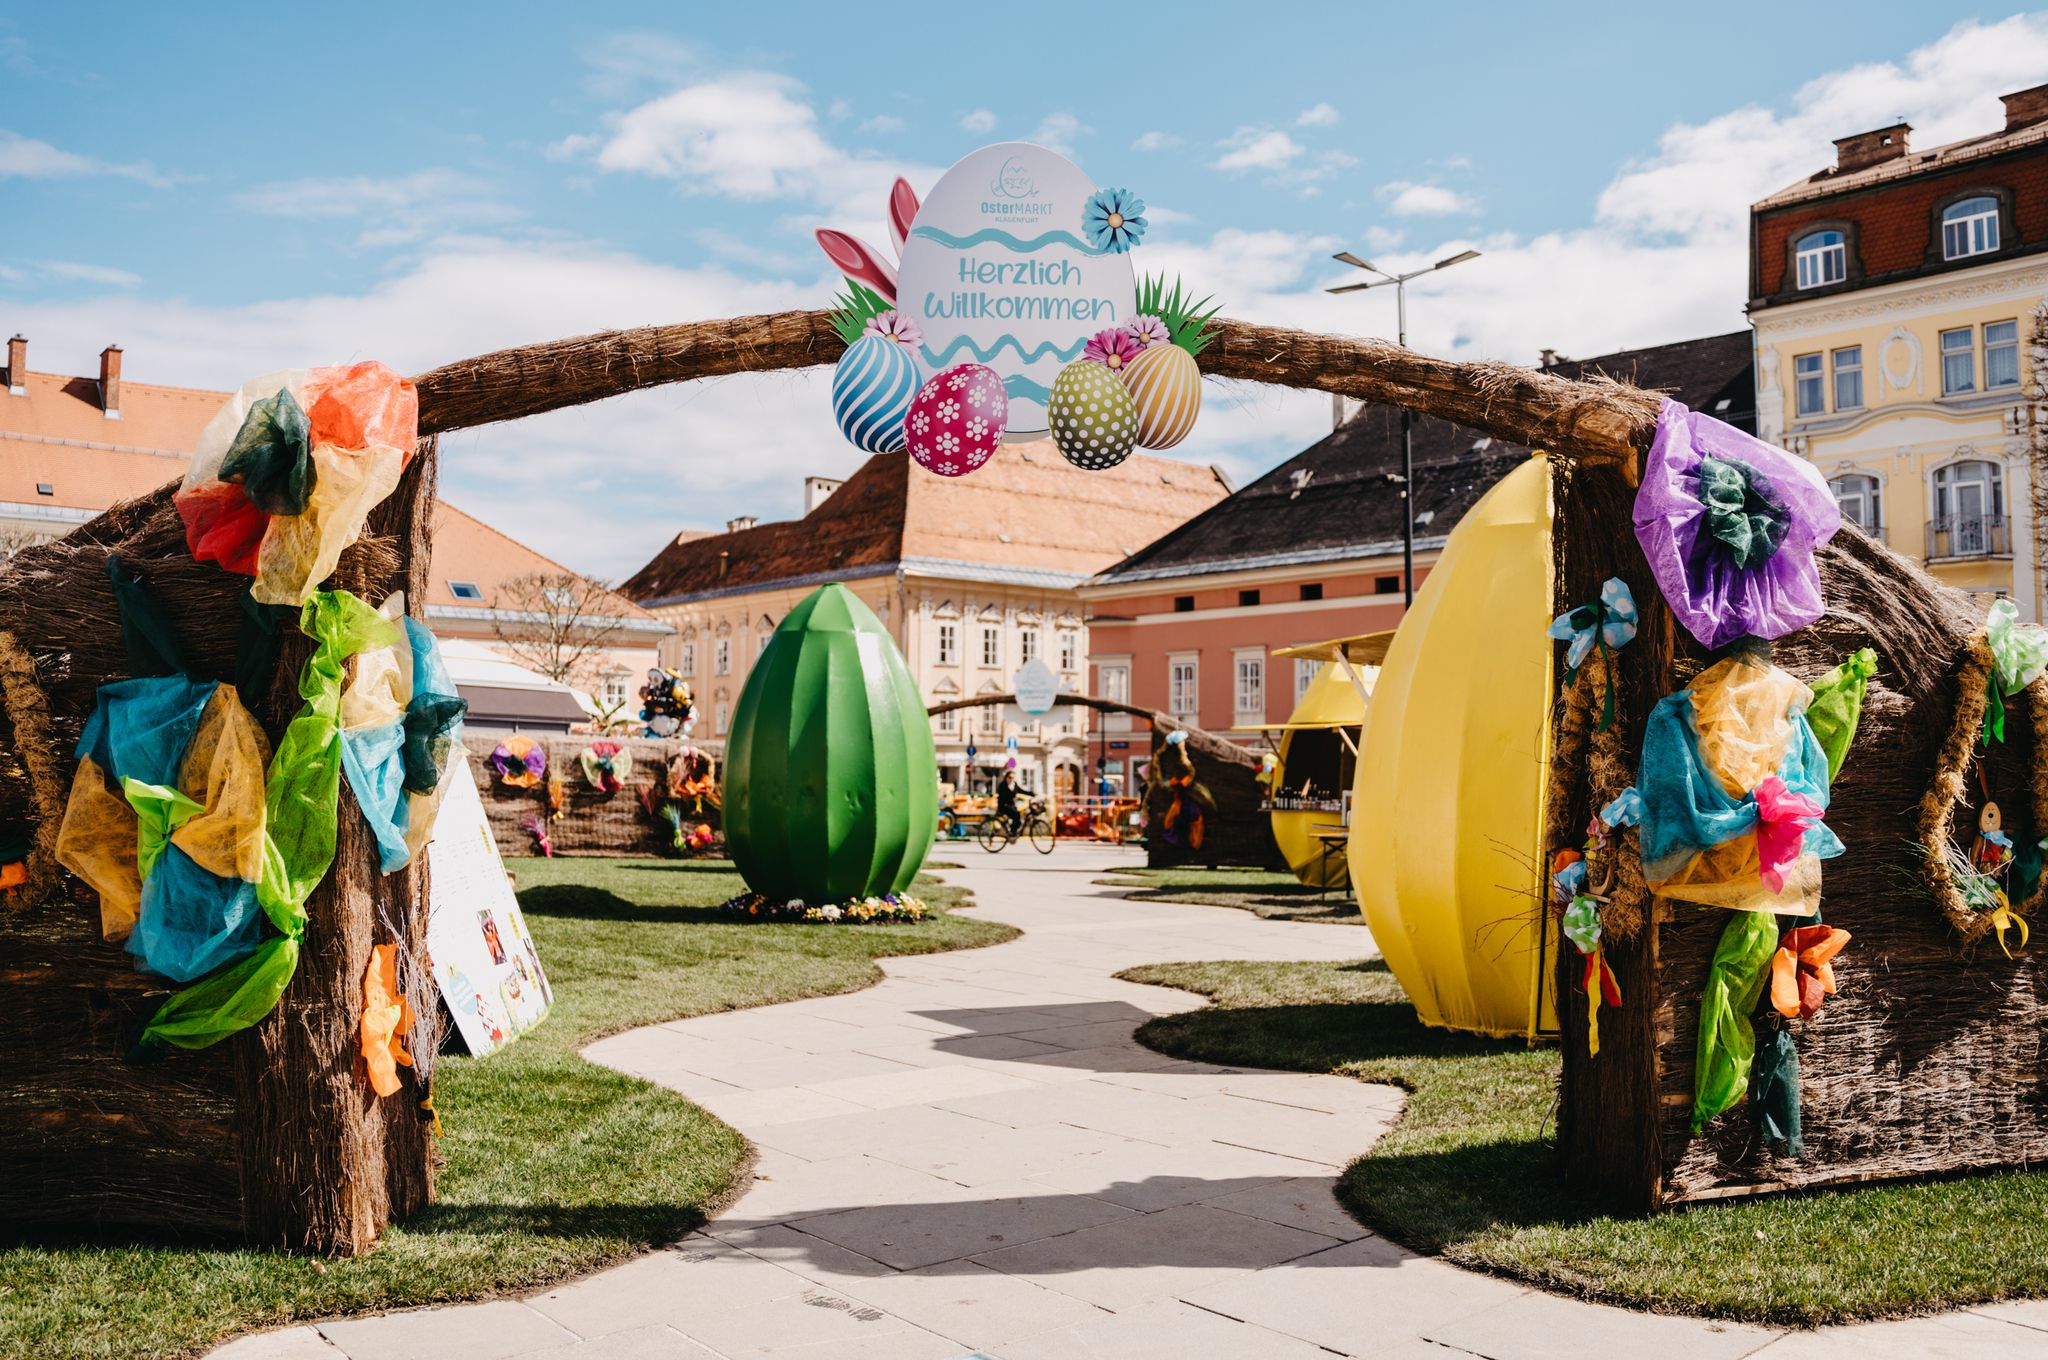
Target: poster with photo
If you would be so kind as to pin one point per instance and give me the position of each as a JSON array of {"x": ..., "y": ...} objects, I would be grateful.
[{"x": 483, "y": 957}]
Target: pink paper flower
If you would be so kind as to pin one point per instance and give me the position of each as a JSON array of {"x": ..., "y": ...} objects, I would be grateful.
[
  {"x": 893, "y": 325},
  {"x": 1113, "y": 348},
  {"x": 1149, "y": 331}
]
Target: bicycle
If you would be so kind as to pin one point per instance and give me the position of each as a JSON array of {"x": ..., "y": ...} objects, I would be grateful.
[{"x": 997, "y": 834}]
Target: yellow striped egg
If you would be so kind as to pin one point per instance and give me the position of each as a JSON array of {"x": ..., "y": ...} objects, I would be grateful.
[{"x": 1167, "y": 388}]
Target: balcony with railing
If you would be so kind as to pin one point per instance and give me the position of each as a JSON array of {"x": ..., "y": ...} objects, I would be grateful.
[{"x": 1954, "y": 537}]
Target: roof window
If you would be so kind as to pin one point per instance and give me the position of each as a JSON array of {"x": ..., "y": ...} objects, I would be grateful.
[
  {"x": 45, "y": 489},
  {"x": 465, "y": 590}
]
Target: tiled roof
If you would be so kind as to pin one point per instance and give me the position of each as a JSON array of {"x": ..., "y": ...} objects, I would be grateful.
[
  {"x": 1027, "y": 511},
  {"x": 1823, "y": 183},
  {"x": 467, "y": 549},
  {"x": 1340, "y": 497}
]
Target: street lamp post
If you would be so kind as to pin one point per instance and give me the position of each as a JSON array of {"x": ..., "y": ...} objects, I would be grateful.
[{"x": 1400, "y": 282}]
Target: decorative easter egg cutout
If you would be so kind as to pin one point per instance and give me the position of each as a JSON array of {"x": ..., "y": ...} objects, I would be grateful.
[
  {"x": 999, "y": 267},
  {"x": 1094, "y": 422},
  {"x": 956, "y": 420}
]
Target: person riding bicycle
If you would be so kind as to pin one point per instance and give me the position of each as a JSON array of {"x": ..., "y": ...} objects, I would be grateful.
[{"x": 1006, "y": 802}]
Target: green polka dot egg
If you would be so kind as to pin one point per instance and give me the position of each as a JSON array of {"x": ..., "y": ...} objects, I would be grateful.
[{"x": 1094, "y": 421}]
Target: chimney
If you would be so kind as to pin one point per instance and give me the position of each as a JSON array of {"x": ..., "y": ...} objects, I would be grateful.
[
  {"x": 110, "y": 382},
  {"x": 17, "y": 366},
  {"x": 1549, "y": 359},
  {"x": 1871, "y": 148},
  {"x": 818, "y": 489},
  {"x": 2025, "y": 108},
  {"x": 734, "y": 525}
]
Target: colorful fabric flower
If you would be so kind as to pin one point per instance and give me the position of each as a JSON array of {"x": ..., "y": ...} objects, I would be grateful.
[
  {"x": 1803, "y": 970},
  {"x": 1582, "y": 923},
  {"x": 2019, "y": 653},
  {"x": 519, "y": 761},
  {"x": 1608, "y": 623},
  {"x": 1625, "y": 810},
  {"x": 894, "y": 325},
  {"x": 1113, "y": 220},
  {"x": 1149, "y": 331},
  {"x": 1113, "y": 348},
  {"x": 1729, "y": 525},
  {"x": 1782, "y": 820}
]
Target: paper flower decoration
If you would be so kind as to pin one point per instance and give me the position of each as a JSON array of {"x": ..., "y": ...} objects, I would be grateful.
[
  {"x": 2019, "y": 653},
  {"x": 894, "y": 325},
  {"x": 1803, "y": 970},
  {"x": 1149, "y": 331},
  {"x": 284, "y": 476},
  {"x": 606, "y": 766},
  {"x": 1729, "y": 525},
  {"x": 1112, "y": 348},
  {"x": 1114, "y": 220},
  {"x": 1625, "y": 810},
  {"x": 387, "y": 1019},
  {"x": 401, "y": 718},
  {"x": 519, "y": 762},
  {"x": 1607, "y": 623}
]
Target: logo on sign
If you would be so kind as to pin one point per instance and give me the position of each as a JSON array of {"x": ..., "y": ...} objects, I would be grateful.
[{"x": 1036, "y": 687}]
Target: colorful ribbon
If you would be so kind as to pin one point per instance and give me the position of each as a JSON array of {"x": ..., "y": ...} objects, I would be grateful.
[
  {"x": 1782, "y": 820},
  {"x": 1608, "y": 623}
]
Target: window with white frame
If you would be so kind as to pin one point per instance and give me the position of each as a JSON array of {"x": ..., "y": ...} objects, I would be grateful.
[
  {"x": 2001, "y": 354},
  {"x": 1070, "y": 650},
  {"x": 761, "y": 643},
  {"x": 1969, "y": 490},
  {"x": 1251, "y": 686},
  {"x": 1958, "y": 361},
  {"x": 1848, "y": 362},
  {"x": 1182, "y": 691},
  {"x": 723, "y": 712},
  {"x": 686, "y": 658},
  {"x": 1821, "y": 258},
  {"x": 1305, "y": 672},
  {"x": 948, "y": 645},
  {"x": 947, "y": 722},
  {"x": 1809, "y": 385},
  {"x": 991, "y": 720},
  {"x": 1116, "y": 682},
  {"x": 1027, "y": 645},
  {"x": 1969, "y": 228},
  {"x": 721, "y": 658},
  {"x": 614, "y": 693},
  {"x": 1857, "y": 496},
  {"x": 991, "y": 645}
]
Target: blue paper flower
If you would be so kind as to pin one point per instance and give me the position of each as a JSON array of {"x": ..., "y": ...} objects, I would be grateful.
[{"x": 1114, "y": 220}]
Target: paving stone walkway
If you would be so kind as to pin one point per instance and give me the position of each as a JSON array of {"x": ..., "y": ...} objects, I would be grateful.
[{"x": 974, "y": 1159}]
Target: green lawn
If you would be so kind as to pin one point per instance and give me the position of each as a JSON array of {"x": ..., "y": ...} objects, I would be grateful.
[
  {"x": 1465, "y": 1173},
  {"x": 555, "y": 1165},
  {"x": 1274, "y": 896}
]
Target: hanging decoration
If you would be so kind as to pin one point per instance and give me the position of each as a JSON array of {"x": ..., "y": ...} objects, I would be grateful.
[
  {"x": 401, "y": 720},
  {"x": 1184, "y": 823},
  {"x": 300, "y": 803},
  {"x": 1837, "y": 706},
  {"x": 1023, "y": 264},
  {"x": 1609, "y": 624},
  {"x": 2019, "y": 654},
  {"x": 873, "y": 382},
  {"x": 519, "y": 762},
  {"x": 387, "y": 1019},
  {"x": 956, "y": 420},
  {"x": 1729, "y": 525},
  {"x": 606, "y": 766},
  {"x": 1803, "y": 971},
  {"x": 1734, "y": 784},
  {"x": 283, "y": 478},
  {"x": 666, "y": 704}
]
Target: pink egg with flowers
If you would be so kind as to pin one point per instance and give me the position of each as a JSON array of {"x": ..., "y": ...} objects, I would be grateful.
[{"x": 957, "y": 419}]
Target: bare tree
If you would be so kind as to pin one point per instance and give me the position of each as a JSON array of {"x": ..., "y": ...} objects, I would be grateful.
[
  {"x": 14, "y": 538},
  {"x": 555, "y": 621}
]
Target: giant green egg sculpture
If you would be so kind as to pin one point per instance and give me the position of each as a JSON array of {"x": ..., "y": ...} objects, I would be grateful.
[{"x": 831, "y": 786}]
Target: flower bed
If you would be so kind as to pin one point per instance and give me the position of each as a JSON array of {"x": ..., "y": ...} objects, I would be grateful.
[{"x": 888, "y": 908}]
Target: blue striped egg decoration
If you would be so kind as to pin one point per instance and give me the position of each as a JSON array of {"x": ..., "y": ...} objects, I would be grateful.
[{"x": 871, "y": 391}]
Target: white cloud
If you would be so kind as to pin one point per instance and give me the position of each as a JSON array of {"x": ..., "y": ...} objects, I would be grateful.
[
  {"x": 1059, "y": 131},
  {"x": 363, "y": 195},
  {"x": 1404, "y": 199},
  {"x": 882, "y": 124},
  {"x": 1155, "y": 141},
  {"x": 623, "y": 64},
  {"x": 1251, "y": 148},
  {"x": 978, "y": 121},
  {"x": 749, "y": 135},
  {"x": 28, "y": 158},
  {"x": 73, "y": 272},
  {"x": 1322, "y": 115}
]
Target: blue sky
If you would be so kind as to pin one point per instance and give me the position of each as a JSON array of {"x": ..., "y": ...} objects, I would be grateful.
[{"x": 226, "y": 190}]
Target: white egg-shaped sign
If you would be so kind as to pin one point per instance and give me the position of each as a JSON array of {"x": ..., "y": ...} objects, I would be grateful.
[{"x": 998, "y": 270}]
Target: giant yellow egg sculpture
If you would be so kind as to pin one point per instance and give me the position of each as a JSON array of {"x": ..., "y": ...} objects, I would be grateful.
[
  {"x": 1447, "y": 812},
  {"x": 1316, "y": 768}
]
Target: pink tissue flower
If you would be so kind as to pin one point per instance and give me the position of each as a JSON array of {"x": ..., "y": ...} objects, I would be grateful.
[
  {"x": 893, "y": 325},
  {"x": 1113, "y": 348},
  {"x": 1149, "y": 331}
]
